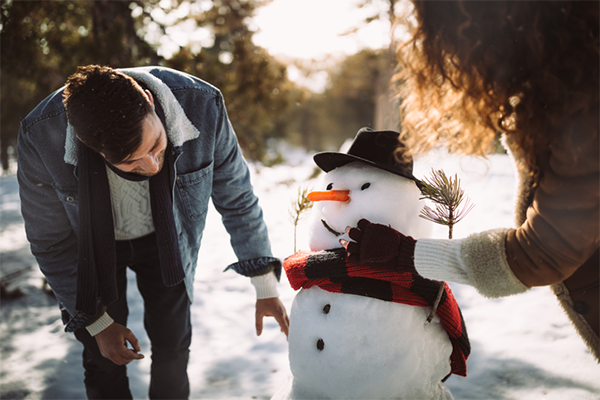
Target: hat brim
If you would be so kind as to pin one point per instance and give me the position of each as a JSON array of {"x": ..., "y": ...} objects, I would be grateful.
[{"x": 329, "y": 161}]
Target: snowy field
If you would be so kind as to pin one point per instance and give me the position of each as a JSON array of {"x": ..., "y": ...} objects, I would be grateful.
[{"x": 523, "y": 347}]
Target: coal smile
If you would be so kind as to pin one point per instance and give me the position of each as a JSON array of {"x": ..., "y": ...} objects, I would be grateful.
[{"x": 330, "y": 229}]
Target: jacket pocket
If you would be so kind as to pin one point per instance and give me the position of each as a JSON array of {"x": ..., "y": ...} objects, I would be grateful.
[
  {"x": 195, "y": 189},
  {"x": 68, "y": 195}
]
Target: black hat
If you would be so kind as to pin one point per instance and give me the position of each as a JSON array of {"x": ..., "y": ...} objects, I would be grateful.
[{"x": 381, "y": 149}]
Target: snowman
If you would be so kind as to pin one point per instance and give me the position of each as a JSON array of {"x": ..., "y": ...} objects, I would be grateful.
[{"x": 350, "y": 337}]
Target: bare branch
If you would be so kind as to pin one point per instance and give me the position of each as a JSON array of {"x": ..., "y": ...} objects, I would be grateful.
[{"x": 299, "y": 207}]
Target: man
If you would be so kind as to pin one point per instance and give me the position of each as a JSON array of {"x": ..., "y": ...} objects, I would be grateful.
[{"x": 116, "y": 170}]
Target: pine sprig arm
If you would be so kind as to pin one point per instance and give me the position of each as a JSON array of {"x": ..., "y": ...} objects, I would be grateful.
[{"x": 448, "y": 197}]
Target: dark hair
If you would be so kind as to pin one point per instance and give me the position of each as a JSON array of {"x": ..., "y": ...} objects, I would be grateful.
[
  {"x": 106, "y": 109},
  {"x": 475, "y": 68}
]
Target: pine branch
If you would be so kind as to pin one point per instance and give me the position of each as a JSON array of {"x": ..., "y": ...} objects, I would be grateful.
[
  {"x": 299, "y": 207},
  {"x": 447, "y": 196}
]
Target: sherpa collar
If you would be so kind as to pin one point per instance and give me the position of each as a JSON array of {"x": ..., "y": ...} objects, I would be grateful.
[{"x": 179, "y": 128}]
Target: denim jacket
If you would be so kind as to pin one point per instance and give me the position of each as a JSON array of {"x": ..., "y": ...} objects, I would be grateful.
[{"x": 207, "y": 163}]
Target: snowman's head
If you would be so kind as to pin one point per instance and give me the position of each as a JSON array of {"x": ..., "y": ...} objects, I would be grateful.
[{"x": 358, "y": 190}]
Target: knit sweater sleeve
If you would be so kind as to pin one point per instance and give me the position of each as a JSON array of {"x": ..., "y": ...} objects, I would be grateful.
[
  {"x": 478, "y": 260},
  {"x": 561, "y": 227},
  {"x": 265, "y": 285},
  {"x": 100, "y": 324}
]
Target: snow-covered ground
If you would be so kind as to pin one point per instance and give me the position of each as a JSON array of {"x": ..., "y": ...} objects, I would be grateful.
[{"x": 523, "y": 347}]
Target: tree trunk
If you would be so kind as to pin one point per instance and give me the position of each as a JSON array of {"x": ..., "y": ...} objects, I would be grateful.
[
  {"x": 114, "y": 32},
  {"x": 4, "y": 155}
]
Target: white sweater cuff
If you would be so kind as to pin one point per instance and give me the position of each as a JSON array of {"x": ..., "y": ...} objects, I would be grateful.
[
  {"x": 440, "y": 260},
  {"x": 265, "y": 285},
  {"x": 100, "y": 324},
  {"x": 478, "y": 260}
]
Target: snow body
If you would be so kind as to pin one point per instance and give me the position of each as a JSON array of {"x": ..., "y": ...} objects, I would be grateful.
[{"x": 343, "y": 346}]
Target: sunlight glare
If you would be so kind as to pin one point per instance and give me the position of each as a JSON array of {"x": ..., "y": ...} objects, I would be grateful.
[{"x": 313, "y": 28}]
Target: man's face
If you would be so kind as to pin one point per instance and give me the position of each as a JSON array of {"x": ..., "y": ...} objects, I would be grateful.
[{"x": 149, "y": 157}]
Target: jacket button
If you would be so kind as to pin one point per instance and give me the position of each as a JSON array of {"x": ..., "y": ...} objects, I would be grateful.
[
  {"x": 70, "y": 199},
  {"x": 580, "y": 307},
  {"x": 320, "y": 344},
  {"x": 326, "y": 309}
]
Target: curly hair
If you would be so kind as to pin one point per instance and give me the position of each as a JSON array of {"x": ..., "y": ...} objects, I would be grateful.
[
  {"x": 106, "y": 109},
  {"x": 473, "y": 69}
]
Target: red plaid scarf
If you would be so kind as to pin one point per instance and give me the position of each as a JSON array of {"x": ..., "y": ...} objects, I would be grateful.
[{"x": 330, "y": 270}]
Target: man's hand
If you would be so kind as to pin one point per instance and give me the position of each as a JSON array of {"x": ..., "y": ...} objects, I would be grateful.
[
  {"x": 112, "y": 344},
  {"x": 272, "y": 307}
]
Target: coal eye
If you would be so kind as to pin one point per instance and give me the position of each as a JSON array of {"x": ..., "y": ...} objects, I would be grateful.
[
  {"x": 365, "y": 186},
  {"x": 330, "y": 186}
]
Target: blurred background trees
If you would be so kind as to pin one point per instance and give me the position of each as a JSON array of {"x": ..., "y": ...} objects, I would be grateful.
[
  {"x": 347, "y": 104},
  {"x": 43, "y": 42}
]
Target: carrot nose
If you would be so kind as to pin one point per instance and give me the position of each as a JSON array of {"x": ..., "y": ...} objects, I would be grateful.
[{"x": 329, "y": 195}]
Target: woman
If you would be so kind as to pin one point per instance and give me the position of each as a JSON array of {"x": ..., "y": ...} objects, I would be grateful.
[{"x": 527, "y": 70}]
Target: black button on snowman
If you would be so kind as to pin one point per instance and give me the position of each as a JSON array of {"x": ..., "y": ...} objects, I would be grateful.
[{"x": 320, "y": 342}]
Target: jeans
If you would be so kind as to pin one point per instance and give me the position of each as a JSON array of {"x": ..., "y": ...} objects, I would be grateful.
[{"x": 167, "y": 322}]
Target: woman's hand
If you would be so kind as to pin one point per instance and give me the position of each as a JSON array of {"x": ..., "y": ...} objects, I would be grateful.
[{"x": 379, "y": 246}]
